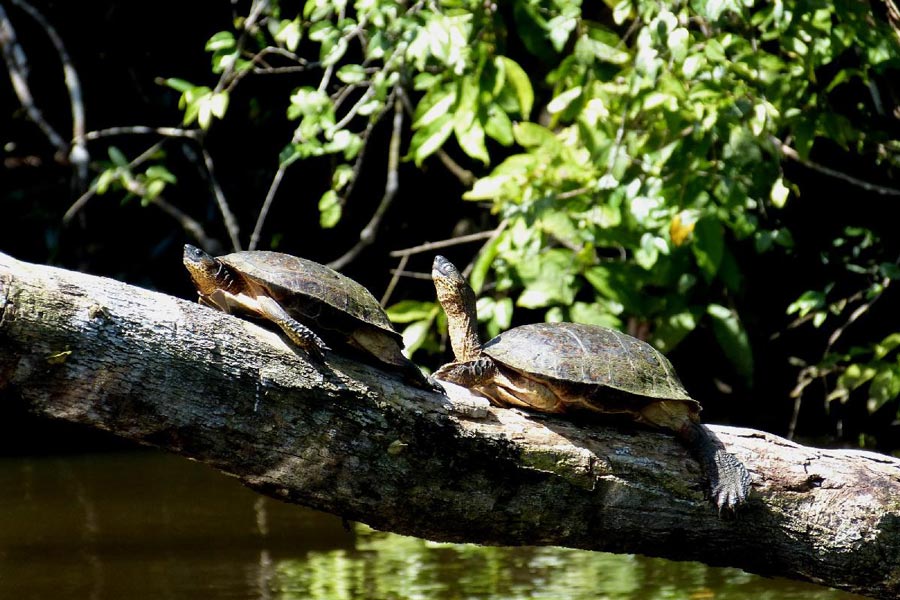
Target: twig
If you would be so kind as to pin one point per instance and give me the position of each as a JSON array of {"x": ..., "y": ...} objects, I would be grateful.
[
  {"x": 367, "y": 235},
  {"x": 494, "y": 234},
  {"x": 353, "y": 110},
  {"x": 326, "y": 77},
  {"x": 463, "y": 239},
  {"x": 188, "y": 223},
  {"x": 258, "y": 58},
  {"x": 465, "y": 176},
  {"x": 411, "y": 274},
  {"x": 227, "y": 216},
  {"x": 267, "y": 204},
  {"x": 255, "y": 11},
  {"x": 173, "y": 132},
  {"x": 858, "y": 312},
  {"x": 871, "y": 187},
  {"x": 395, "y": 277},
  {"x": 17, "y": 67}
]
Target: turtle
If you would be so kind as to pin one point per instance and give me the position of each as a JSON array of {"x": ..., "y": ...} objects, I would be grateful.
[
  {"x": 312, "y": 304},
  {"x": 579, "y": 368}
]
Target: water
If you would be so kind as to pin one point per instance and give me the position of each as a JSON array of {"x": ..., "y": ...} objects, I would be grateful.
[{"x": 136, "y": 525}]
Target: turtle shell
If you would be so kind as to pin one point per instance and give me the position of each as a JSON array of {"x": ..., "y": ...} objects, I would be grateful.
[
  {"x": 300, "y": 284},
  {"x": 588, "y": 355}
]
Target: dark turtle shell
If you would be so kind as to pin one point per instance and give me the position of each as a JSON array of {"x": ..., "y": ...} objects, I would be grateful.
[
  {"x": 589, "y": 355},
  {"x": 295, "y": 282}
]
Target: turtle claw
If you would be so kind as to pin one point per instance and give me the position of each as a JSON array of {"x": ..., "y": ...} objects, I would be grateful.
[
  {"x": 730, "y": 482},
  {"x": 435, "y": 385}
]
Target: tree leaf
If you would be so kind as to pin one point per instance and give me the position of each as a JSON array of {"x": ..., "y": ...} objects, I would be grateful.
[
  {"x": 351, "y": 74},
  {"x": 733, "y": 339},
  {"x": 407, "y": 311},
  {"x": 708, "y": 246},
  {"x": 329, "y": 209},
  {"x": 427, "y": 140},
  {"x": 518, "y": 79}
]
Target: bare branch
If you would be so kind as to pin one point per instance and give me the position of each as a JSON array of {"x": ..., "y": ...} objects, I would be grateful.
[
  {"x": 871, "y": 187},
  {"x": 256, "y": 10},
  {"x": 392, "y": 184},
  {"x": 395, "y": 277},
  {"x": 78, "y": 154},
  {"x": 17, "y": 66},
  {"x": 173, "y": 132},
  {"x": 231, "y": 224},
  {"x": 456, "y": 241},
  {"x": 267, "y": 205}
]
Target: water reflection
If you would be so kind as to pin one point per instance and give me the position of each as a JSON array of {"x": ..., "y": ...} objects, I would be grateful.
[{"x": 147, "y": 525}]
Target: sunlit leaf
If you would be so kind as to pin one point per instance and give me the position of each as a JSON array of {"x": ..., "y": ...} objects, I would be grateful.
[
  {"x": 434, "y": 106},
  {"x": 414, "y": 335},
  {"x": 223, "y": 40},
  {"x": 519, "y": 80},
  {"x": 289, "y": 34},
  {"x": 427, "y": 140},
  {"x": 530, "y": 135},
  {"x": 351, "y": 74},
  {"x": 779, "y": 193},
  {"x": 498, "y": 126},
  {"x": 807, "y": 302},
  {"x": 407, "y": 311},
  {"x": 471, "y": 140},
  {"x": 887, "y": 345},
  {"x": 329, "y": 209}
]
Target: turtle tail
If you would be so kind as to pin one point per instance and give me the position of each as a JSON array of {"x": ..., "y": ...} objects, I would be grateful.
[{"x": 729, "y": 481}]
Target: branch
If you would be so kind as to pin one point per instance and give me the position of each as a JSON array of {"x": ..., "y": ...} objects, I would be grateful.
[
  {"x": 870, "y": 187},
  {"x": 355, "y": 441},
  {"x": 392, "y": 184},
  {"x": 17, "y": 67}
]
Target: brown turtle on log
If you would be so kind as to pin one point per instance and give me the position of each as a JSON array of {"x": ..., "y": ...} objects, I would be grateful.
[
  {"x": 314, "y": 305},
  {"x": 560, "y": 367}
]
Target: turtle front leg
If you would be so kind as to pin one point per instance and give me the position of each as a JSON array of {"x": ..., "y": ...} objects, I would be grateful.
[
  {"x": 470, "y": 373},
  {"x": 298, "y": 333}
]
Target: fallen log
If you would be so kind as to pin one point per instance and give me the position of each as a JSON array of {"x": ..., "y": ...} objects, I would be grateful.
[{"x": 349, "y": 439}]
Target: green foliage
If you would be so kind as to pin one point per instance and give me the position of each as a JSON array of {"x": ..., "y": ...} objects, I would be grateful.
[
  {"x": 118, "y": 174},
  {"x": 199, "y": 103},
  {"x": 869, "y": 372},
  {"x": 633, "y": 153}
]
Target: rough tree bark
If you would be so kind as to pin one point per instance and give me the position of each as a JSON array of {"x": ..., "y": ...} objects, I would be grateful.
[{"x": 354, "y": 441}]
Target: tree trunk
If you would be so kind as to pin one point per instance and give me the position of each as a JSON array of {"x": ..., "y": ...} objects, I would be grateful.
[{"x": 355, "y": 441}]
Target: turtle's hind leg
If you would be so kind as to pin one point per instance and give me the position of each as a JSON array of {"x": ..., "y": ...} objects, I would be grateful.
[
  {"x": 298, "y": 333},
  {"x": 729, "y": 481}
]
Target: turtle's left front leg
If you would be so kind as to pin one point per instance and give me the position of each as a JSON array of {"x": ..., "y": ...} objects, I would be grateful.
[{"x": 299, "y": 333}]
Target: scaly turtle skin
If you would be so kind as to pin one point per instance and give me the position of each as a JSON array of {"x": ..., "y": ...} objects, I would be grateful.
[
  {"x": 301, "y": 296},
  {"x": 561, "y": 367}
]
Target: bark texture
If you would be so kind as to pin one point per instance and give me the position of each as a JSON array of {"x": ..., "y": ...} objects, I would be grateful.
[{"x": 349, "y": 439}]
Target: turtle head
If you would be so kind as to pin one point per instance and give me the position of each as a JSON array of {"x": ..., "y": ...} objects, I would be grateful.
[
  {"x": 208, "y": 273},
  {"x": 448, "y": 281},
  {"x": 458, "y": 301}
]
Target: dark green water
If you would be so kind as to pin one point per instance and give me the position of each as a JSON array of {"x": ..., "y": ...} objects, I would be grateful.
[{"x": 145, "y": 525}]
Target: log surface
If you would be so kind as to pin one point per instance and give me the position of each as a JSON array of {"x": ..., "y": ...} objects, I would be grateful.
[{"x": 355, "y": 441}]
